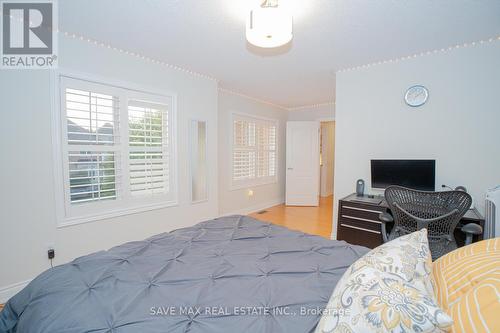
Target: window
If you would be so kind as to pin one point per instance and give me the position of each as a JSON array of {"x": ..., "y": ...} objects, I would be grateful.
[
  {"x": 91, "y": 122},
  {"x": 254, "y": 160},
  {"x": 117, "y": 150},
  {"x": 148, "y": 136}
]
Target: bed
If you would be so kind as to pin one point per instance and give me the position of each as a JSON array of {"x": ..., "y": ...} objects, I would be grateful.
[{"x": 232, "y": 274}]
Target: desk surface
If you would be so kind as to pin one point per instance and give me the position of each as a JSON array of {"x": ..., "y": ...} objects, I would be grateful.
[{"x": 379, "y": 200}]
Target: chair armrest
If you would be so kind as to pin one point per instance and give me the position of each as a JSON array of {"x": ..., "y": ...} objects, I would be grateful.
[
  {"x": 472, "y": 228},
  {"x": 385, "y": 218}
]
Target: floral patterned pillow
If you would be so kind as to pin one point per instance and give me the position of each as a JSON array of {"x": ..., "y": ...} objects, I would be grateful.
[{"x": 388, "y": 290}]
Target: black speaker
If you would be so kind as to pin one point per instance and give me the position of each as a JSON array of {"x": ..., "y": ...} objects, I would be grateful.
[{"x": 360, "y": 187}]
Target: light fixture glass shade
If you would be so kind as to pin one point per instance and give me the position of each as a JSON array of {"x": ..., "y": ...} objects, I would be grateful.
[{"x": 269, "y": 27}]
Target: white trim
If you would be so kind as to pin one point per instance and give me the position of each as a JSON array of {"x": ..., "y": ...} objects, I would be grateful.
[
  {"x": 256, "y": 208},
  {"x": 251, "y": 115},
  {"x": 8, "y": 291},
  {"x": 255, "y": 99},
  {"x": 57, "y": 153},
  {"x": 262, "y": 101},
  {"x": 311, "y": 106}
]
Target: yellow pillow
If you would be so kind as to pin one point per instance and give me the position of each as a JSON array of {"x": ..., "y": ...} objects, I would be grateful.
[
  {"x": 479, "y": 309},
  {"x": 468, "y": 286}
]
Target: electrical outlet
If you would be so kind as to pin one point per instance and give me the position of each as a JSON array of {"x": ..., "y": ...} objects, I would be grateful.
[{"x": 51, "y": 253}]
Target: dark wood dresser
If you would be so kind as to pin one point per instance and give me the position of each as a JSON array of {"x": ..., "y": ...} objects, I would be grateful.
[{"x": 358, "y": 221}]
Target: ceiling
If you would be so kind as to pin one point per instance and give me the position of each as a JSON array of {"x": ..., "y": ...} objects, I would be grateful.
[{"x": 208, "y": 36}]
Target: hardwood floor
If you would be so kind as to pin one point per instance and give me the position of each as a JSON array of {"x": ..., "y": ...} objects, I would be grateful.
[{"x": 311, "y": 220}]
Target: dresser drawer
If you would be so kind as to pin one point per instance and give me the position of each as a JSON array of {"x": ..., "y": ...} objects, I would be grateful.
[
  {"x": 358, "y": 236},
  {"x": 360, "y": 223},
  {"x": 369, "y": 213}
]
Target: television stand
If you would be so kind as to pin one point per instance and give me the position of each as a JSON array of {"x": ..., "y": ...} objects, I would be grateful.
[{"x": 358, "y": 221}]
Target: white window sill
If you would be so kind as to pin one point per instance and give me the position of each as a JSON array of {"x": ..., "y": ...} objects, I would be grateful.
[
  {"x": 241, "y": 186},
  {"x": 71, "y": 221}
]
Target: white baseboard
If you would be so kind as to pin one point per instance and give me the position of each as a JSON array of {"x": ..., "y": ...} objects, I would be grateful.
[
  {"x": 256, "y": 208},
  {"x": 8, "y": 291}
]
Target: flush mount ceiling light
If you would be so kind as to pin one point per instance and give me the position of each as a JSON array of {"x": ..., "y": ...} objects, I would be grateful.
[{"x": 269, "y": 25}]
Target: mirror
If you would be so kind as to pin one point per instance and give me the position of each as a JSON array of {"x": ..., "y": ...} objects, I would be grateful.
[{"x": 198, "y": 151}]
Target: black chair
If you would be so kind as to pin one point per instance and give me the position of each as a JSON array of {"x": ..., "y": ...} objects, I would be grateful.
[{"x": 438, "y": 212}]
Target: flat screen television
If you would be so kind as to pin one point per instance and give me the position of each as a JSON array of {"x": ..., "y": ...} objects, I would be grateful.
[{"x": 415, "y": 174}]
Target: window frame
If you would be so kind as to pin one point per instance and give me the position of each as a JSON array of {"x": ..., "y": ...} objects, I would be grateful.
[
  {"x": 243, "y": 184},
  {"x": 68, "y": 214}
]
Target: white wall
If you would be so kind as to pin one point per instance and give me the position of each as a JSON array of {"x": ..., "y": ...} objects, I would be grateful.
[
  {"x": 27, "y": 213},
  {"x": 318, "y": 112},
  {"x": 238, "y": 201},
  {"x": 458, "y": 126}
]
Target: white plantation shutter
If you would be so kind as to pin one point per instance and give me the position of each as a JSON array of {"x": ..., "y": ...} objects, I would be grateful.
[
  {"x": 266, "y": 150},
  {"x": 92, "y": 118},
  {"x": 92, "y": 176},
  {"x": 254, "y": 159},
  {"x": 244, "y": 150},
  {"x": 92, "y": 123},
  {"x": 148, "y": 141},
  {"x": 117, "y": 149}
]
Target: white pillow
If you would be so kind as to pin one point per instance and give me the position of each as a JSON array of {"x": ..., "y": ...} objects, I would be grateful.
[{"x": 387, "y": 290}]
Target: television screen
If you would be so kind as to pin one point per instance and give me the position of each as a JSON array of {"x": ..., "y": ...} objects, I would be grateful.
[{"x": 415, "y": 174}]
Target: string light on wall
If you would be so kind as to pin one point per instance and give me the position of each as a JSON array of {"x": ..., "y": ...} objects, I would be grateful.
[
  {"x": 162, "y": 63},
  {"x": 312, "y": 106},
  {"x": 232, "y": 92},
  {"x": 442, "y": 50},
  {"x": 133, "y": 54}
]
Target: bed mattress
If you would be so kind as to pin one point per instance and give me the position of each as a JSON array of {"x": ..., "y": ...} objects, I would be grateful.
[{"x": 232, "y": 274}]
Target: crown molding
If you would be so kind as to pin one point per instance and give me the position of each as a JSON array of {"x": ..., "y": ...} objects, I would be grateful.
[
  {"x": 312, "y": 106},
  {"x": 255, "y": 99}
]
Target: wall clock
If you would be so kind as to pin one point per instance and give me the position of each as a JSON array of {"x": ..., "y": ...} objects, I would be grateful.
[{"x": 416, "y": 96}]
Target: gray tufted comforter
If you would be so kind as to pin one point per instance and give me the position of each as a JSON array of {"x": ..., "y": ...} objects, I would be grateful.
[{"x": 233, "y": 274}]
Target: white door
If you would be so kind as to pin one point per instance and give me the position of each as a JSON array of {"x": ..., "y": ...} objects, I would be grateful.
[{"x": 302, "y": 163}]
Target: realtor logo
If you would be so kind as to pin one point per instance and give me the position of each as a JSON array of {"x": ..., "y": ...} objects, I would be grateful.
[{"x": 29, "y": 37}]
